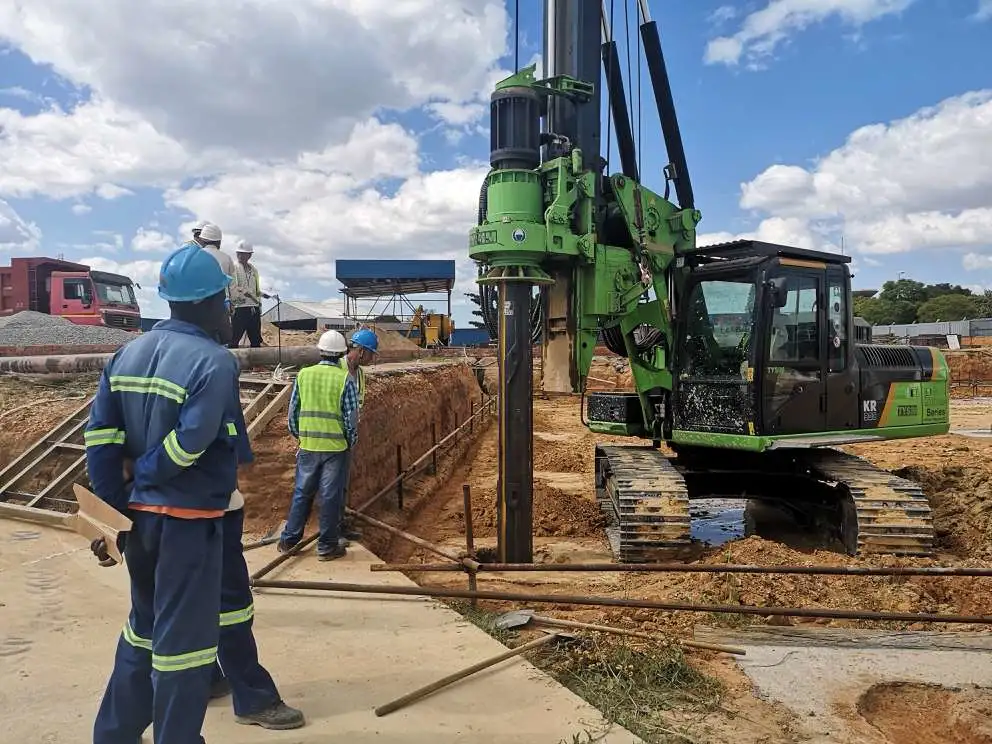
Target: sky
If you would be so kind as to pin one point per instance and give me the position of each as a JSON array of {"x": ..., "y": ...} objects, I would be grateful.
[{"x": 325, "y": 129}]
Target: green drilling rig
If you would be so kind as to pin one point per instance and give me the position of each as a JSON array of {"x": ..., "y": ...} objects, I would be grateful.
[{"x": 743, "y": 354}]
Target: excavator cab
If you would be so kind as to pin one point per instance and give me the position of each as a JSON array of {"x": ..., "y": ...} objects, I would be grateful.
[{"x": 763, "y": 343}]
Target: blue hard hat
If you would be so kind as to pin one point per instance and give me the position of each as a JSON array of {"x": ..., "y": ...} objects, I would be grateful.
[
  {"x": 190, "y": 274},
  {"x": 366, "y": 339}
]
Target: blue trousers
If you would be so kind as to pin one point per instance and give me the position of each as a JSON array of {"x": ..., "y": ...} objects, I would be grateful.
[
  {"x": 237, "y": 655},
  {"x": 167, "y": 650},
  {"x": 347, "y": 482},
  {"x": 319, "y": 474}
]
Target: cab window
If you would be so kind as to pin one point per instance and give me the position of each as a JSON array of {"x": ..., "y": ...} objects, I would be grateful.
[
  {"x": 718, "y": 326},
  {"x": 794, "y": 336},
  {"x": 836, "y": 324}
]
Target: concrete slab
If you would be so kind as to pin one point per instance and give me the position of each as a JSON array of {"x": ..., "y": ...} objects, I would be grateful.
[
  {"x": 333, "y": 656},
  {"x": 821, "y": 673}
]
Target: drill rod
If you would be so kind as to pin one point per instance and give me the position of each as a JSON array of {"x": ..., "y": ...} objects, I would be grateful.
[{"x": 515, "y": 487}]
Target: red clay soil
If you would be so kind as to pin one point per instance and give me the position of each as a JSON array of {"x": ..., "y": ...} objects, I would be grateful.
[
  {"x": 907, "y": 713},
  {"x": 398, "y": 411}
]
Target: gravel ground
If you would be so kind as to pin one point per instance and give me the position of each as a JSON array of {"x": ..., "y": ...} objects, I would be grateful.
[{"x": 28, "y": 328}]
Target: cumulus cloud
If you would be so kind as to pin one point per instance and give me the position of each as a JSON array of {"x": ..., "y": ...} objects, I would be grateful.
[
  {"x": 269, "y": 119},
  {"x": 762, "y": 31},
  {"x": 364, "y": 197},
  {"x": 924, "y": 181},
  {"x": 984, "y": 11},
  {"x": 152, "y": 241},
  {"x": 16, "y": 234},
  {"x": 266, "y": 79},
  {"x": 976, "y": 261},
  {"x": 96, "y": 145}
]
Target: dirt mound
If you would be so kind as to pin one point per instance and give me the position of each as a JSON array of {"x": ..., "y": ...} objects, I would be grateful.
[
  {"x": 388, "y": 340},
  {"x": 556, "y": 514},
  {"x": 271, "y": 336},
  {"x": 908, "y": 713},
  {"x": 893, "y": 594},
  {"x": 961, "y": 499},
  {"x": 561, "y": 457},
  {"x": 393, "y": 341}
]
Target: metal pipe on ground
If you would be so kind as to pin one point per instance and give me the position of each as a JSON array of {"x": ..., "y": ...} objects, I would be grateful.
[
  {"x": 636, "y": 604},
  {"x": 283, "y": 557},
  {"x": 460, "y": 561},
  {"x": 77, "y": 363},
  {"x": 422, "y": 692},
  {"x": 521, "y": 618},
  {"x": 688, "y": 568}
]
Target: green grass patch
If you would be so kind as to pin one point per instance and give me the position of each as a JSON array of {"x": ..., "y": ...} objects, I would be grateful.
[
  {"x": 637, "y": 688},
  {"x": 652, "y": 692}
]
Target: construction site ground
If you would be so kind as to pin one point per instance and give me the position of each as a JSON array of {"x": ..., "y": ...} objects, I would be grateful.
[
  {"x": 336, "y": 658},
  {"x": 724, "y": 700}
]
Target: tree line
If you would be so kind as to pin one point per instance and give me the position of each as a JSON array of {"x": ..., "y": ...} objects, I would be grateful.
[{"x": 908, "y": 301}]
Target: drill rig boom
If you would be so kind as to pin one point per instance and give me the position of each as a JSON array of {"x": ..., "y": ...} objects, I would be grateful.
[{"x": 741, "y": 354}]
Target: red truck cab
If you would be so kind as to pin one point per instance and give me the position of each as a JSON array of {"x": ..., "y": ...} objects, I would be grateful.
[{"x": 70, "y": 290}]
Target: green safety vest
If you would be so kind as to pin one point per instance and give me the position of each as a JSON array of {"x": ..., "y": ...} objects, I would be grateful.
[
  {"x": 361, "y": 380},
  {"x": 321, "y": 388}
]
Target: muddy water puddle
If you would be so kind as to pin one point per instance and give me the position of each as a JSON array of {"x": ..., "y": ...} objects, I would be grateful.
[{"x": 717, "y": 521}]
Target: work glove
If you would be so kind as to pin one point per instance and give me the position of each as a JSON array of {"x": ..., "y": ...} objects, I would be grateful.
[{"x": 99, "y": 549}]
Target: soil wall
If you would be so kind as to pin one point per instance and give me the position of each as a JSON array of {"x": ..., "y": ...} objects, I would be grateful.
[
  {"x": 971, "y": 372},
  {"x": 399, "y": 408}
]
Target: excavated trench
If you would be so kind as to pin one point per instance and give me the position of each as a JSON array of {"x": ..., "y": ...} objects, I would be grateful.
[
  {"x": 395, "y": 430},
  {"x": 910, "y": 713}
]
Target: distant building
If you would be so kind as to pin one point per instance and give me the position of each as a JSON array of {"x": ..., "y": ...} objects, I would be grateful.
[{"x": 303, "y": 315}]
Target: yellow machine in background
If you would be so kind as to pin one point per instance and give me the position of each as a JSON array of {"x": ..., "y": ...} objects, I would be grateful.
[{"x": 435, "y": 328}]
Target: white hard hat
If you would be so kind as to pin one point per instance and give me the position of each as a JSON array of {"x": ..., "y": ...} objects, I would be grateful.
[
  {"x": 332, "y": 342},
  {"x": 244, "y": 246},
  {"x": 200, "y": 225},
  {"x": 210, "y": 233}
]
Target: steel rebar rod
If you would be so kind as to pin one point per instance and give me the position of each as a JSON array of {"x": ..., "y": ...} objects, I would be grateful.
[
  {"x": 689, "y": 568},
  {"x": 637, "y": 604},
  {"x": 460, "y": 561},
  {"x": 283, "y": 557}
]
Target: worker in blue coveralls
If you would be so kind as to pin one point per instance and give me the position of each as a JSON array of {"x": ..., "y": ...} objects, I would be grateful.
[
  {"x": 362, "y": 349},
  {"x": 169, "y": 403},
  {"x": 323, "y": 416},
  {"x": 238, "y": 671}
]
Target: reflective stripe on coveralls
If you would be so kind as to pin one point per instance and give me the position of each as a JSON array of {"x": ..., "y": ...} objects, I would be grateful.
[
  {"x": 236, "y": 617},
  {"x": 226, "y": 618},
  {"x": 176, "y": 663},
  {"x": 321, "y": 387}
]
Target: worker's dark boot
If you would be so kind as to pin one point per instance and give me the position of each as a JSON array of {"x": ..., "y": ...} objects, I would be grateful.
[
  {"x": 278, "y": 717},
  {"x": 220, "y": 688},
  {"x": 337, "y": 552},
  {"x": 284, "y": 547}
]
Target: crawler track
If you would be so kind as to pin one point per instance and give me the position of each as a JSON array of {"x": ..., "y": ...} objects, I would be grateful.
[
  {"x": 646, "y": 497},
  {"x": 882, "y": 513}
]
